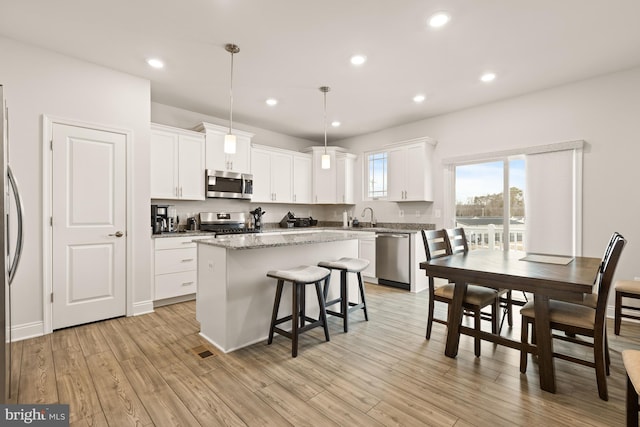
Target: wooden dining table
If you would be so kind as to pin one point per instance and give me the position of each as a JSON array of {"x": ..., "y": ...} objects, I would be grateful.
[{"x": 547, "y": 277}]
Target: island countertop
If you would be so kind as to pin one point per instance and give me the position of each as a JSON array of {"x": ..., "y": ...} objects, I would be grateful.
[{"x": 270, "y": 240}]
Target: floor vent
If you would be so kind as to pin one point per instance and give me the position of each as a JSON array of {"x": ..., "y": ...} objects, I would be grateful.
[{"x": 202, "y": 351}]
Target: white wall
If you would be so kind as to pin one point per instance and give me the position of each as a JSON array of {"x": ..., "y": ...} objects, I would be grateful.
[
  {"x": 39, "y": 82},
  {"x": 604, "y": 111}
]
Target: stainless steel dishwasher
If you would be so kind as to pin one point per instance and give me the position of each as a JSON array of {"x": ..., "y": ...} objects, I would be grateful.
[{"x": 393, "y": 259}]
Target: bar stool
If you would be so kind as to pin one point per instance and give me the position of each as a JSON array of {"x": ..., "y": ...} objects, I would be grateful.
[
  {"x": 631, "y": 361},
  {"x": 346, "y": 265},
  {"x": 299, "y": 278}
]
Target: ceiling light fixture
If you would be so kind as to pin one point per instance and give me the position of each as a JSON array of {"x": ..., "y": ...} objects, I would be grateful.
[
  {"x": 335, "y": 123},
  {"x": 488, "y": 77},
  {"x": 418, "y": 99},
  {"x": 326, "y": 159},
  {"x": 230, "y": 138},
  {"x": 358, "y": 59},
  {"x": 155, "y": 63},
  {"x": 439, "y": 20},
  {"x": 272, "y": 102}
]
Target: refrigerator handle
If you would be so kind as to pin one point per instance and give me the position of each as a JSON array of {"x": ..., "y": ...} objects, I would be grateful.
[{"x": 18, "y": 253}]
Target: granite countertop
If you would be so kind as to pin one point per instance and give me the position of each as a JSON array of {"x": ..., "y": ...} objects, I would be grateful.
[
  {"x": 187, "y": 233},
  {"x": 270, "y": 240}
]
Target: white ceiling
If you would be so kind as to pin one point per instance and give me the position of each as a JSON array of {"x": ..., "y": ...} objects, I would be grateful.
[{"x": 289, "y": 48}]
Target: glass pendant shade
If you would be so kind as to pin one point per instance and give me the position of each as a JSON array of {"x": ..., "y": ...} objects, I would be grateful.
[
  {"x": 326, "y": 161},
  {"x": 230, "y": 144}
]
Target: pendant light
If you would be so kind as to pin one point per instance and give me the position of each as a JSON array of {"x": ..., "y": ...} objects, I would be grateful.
[
  {"x": 325, "y": 159},
  {"x": 230, "y": 138}
]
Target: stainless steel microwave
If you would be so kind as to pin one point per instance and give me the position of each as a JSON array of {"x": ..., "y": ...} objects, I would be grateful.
[{"x": 229, "y": 185}]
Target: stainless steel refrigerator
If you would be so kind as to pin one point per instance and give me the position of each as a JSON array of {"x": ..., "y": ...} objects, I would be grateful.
[{"x": 10, "y": 259}]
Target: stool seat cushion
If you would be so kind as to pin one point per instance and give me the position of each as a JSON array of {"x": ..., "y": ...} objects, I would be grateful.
[
  {"x": 302, "y": 274},
  {"x": 630, "y": 286},
  {"x": 631, "y": 360},
  {"x": 352, "y": 265}
]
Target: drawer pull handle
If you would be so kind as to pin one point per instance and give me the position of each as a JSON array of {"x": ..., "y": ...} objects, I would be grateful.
[
  {"x": 187, "y": 260},
  {"x": 187, "y": 283}
]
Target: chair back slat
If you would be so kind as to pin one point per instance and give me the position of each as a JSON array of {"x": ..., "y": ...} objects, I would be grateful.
[
  {"x": 609, "y": 264},
  {"x": 457, "y": 240},
  {"x": 436, "y": 244}
]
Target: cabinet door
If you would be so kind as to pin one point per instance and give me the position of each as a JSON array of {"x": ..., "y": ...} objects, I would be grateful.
[
  {"x": 396, "y": 174},
  {"x": 241, "y": 160},
  {"x": 191, "y": 167},
  {"x": 324, "y": 180},
  {"x": 344, "y": 179},
  {"x": 281, "y": 170},
  {"x": 302, "y": 179},
  {"x": 261, "y": 170},
  {"x": 164, "y": 165},
  {"x": 367, "y": 250},
  {"x": 415, "y": 172}
]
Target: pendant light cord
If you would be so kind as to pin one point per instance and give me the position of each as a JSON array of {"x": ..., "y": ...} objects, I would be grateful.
[
  {"x": 325, "y": 122},
  {"x": 231, "y": 98}
]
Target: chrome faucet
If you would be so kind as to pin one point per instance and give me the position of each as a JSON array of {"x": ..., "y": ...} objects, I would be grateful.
[{"x": 373, "y": 217}]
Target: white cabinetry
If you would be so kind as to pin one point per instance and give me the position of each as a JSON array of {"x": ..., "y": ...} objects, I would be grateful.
[
  {"x": 272, "y": 171},
  {"x": 367, "y": 250},
  {"x": 175, "y": 267},
  {"x": 302, "y": 170},
  {"x": 409, "y": 171},
  {"x": 333, "y": 185},
  {"x": 177, "y": 163},
  {"x": 216, "y": 159}
]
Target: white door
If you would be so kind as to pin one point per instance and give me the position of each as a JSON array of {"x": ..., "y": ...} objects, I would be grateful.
[{"x": 88, "y": 225}]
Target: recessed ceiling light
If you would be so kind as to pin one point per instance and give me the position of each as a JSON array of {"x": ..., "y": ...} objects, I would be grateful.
[
  {"x": 358, "y": 59},
  {"x": 439, "y": 20},
  {"x": 155, "y": 63},
  {"x": 418, "y": 99},
  {"x": 335, "y": 123},
  {"x": 488, "y": 77},
  {"x": 272, "y": 102}
]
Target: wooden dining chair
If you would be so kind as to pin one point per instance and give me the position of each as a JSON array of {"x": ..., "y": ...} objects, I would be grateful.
[
  {"x": 579, "y": 320},
  {"x": 458, "y": 242},
  {"x": 625, "y": 289},
  {"x": 436, "y": 245},
  {"x": 631, "y": 361}
]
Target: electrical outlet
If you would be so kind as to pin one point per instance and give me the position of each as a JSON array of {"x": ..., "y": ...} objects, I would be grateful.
[
  {"x": 437, "y": 213},
  {"x": 401, "y": 213},
  {"x": 417, "y": 214}
]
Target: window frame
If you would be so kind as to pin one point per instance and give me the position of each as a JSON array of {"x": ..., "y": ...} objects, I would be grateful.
[{"x": 366, "y": 163}]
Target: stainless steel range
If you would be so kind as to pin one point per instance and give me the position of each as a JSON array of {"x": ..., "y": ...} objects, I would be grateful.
[{"x": 225, "y": 223}]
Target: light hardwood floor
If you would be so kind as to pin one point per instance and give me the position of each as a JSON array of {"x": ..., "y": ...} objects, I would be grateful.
[{"x": 147, "y": 370}]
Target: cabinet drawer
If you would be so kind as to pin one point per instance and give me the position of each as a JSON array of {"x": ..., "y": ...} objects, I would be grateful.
[
  {"x": 175, "y": 242},
  {"x": 176, "y": 284},
  {"x": 176, "y": 260}
]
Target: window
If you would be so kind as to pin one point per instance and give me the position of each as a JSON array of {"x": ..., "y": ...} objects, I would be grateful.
[{"x": 377, "y": 175}]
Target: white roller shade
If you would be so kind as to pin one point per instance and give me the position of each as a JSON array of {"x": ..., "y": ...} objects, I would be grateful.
[{"x": 552, "y": 199}]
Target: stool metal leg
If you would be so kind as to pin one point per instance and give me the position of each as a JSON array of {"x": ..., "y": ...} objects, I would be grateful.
[
  {"x": 364, "y": 302},
  {"x": 295, "y": 310},
  {"x": 276, "y": 306},
  {"x": 323, "y": 310},
  {"x": 344, "y": 304}
]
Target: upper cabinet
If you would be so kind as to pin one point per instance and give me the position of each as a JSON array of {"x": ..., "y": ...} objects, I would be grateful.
[
  {"x": 409, "y": 171},
  {"x": 302, "y": 172},
  {"x": 217, "y": 159},
  {"x": 333, "y": 185},
  {"x": 177, "y": 163},
  {"x": 272, "y": 171}
]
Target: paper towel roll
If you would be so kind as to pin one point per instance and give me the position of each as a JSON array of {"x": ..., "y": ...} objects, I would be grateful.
[{"x": 345, "y": 219}]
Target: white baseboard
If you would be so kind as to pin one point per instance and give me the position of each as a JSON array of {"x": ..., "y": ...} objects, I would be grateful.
[
  {"x": 142, "y": 307},
  {"x": 26, "y": 331}
]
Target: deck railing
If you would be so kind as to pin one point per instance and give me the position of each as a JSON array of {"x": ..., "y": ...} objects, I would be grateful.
[{"x": 492, "y": 236}]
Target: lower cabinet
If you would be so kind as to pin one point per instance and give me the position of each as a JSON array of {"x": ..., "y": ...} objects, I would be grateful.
[
  {"x": 367, "y": 250},
  {"x": 175, "y": 267}
]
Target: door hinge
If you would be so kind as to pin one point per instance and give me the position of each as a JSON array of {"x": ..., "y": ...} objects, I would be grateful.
[
  {"x": 51, "y": 221},
  {"x": 51, "y": 145},
  {"x": 51, "y": 297}
]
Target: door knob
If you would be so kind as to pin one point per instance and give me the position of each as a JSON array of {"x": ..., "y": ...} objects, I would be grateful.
[{"x": 117, "y": 234}]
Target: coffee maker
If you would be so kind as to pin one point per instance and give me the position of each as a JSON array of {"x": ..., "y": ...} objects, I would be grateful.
[
  {"x": 160, "y": 219},
  {"x": 257, "y": 218}
]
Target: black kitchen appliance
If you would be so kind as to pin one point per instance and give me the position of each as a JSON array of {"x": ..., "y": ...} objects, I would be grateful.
[
  {"x": 159, "y": 218},
  {"x": 290, "y": 220},
  {"x": 257, "y": 218},
  {"x": 223, "y": 223}
]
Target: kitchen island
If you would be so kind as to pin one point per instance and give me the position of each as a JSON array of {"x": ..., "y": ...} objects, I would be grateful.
[{"x": 234, "y": 299}]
